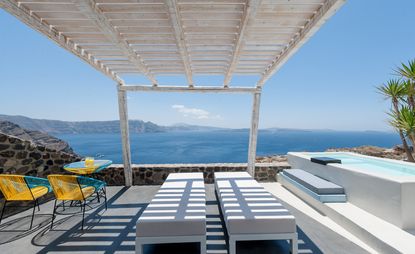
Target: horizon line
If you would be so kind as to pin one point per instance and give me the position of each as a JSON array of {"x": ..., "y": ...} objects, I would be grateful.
[{"x": 205, "y": 126}]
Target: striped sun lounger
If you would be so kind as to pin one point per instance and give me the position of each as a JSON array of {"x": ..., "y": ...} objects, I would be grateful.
[
  {"x": 252, "y": 213},
  {"x": 177, "y": 213}
]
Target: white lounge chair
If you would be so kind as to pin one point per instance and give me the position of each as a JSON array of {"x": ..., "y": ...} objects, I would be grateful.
[
  {"x": 177, "y": 213},
  {"x": 252, "y": 213}
]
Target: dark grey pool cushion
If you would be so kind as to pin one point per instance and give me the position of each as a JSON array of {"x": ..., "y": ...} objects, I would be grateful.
[
  {"x": 325, "y": 160},
  {"x": 313, "y": 183}
]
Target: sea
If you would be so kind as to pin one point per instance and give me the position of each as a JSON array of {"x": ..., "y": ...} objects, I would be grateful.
[{"x": 219, "y": 145}]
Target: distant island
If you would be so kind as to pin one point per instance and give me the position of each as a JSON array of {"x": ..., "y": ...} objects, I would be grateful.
[{"x": 89, "y": 127}]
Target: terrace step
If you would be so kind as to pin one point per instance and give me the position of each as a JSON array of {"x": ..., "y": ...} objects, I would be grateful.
[{"x": 380, "y": 235}]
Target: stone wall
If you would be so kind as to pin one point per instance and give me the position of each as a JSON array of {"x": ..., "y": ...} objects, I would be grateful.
[
  {"x": 155, "y": 174},
  {"x": 23, "y": 157}
]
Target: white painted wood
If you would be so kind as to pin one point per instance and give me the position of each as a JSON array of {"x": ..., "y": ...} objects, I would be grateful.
[
  {"x": 249, "y": 13},
  {"x": 25, "y": 15},
  {"x": 89, "y": 9},
  {"x": 174, "y": 16},
  {"x": 319, "y": 18},
  {"x": 184, "y": 89},
  {"x": 193, "y": 33},
  {"x": 190, "y": 37},
  {"x": 253, "y": 133},
  {"x": 125, "y": 135}
]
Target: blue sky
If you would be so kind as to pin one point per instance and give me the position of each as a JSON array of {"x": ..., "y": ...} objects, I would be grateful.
[{"x": 328, "y": 84}]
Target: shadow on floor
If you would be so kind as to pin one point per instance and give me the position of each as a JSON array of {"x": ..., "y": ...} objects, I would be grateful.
[
  {"x": 18, "y": 228},
  {"x": 217, "y": 238},
  {"x": 73, "y": 208},
  {"x": 105, "y": 231},
  {"x": 305, "y": 245},
  {"x": 114, "y": 231}
]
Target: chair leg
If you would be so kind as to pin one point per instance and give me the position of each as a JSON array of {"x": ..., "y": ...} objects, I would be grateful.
[
  {"x": 38, "y": 206},
  {"x": 83, "y": 214},
  {"x": 2, "y": 210},
  {"x": 33, "y": 214},
  {"x": 294, "y": 245},
  {"x": 53, "y": 214},
  {"x": 203, "y": 246},
  {"x": 139, "y": 247},
  {"x": 105, "y": 196},
  {"x": 232, "y": 246}
]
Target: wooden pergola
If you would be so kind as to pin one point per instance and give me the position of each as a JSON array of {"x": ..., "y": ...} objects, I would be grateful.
[{"x": 179, "y": 37}]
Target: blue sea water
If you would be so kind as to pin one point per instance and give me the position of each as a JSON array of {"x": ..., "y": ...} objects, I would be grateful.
[
  {"x": 370, "y": 164},
  {"x": 219, "y": 146}
]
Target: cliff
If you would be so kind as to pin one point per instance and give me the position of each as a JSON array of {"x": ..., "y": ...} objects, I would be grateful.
[
  {"x": 66, "y": 127},
  {"x": 36, "y": 137}
]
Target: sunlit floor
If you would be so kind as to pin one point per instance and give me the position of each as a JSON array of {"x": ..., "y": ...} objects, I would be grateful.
[{"x": 113, "y": 230}]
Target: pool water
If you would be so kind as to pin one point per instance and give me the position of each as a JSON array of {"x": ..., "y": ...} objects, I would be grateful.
[{"x": 370, "y": 164}]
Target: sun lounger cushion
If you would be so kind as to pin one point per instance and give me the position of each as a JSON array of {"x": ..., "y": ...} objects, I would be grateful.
[
  {"x": 313, "y": 183},
  {"x": 248, "y": 208},
  {"x": 178, "y": 208}
]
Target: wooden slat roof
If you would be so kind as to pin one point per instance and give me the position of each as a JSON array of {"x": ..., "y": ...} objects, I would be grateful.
[{"x": 184, "y": 37}]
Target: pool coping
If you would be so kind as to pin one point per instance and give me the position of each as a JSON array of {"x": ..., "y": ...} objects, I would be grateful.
[{"x": 382, "y": 175}]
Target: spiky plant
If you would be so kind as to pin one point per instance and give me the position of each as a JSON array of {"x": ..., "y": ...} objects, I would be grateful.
[
  {"x": 404, "y": 120},
  {"x": 409, "y": 92},
  {"x": 407, "y": 70},
  {"x": 395, "y": 90}
]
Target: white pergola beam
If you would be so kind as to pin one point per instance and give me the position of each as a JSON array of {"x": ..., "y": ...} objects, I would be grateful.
[
  {"x": 90, "y": 9},
  {"x": 249, "y": 13},
  {"x": 266, "y": 39},
  {"x": 184, "y": 89},
  {"x": 175, "y": 19},
  {"x": 319, "y": 18},
  {"x": 27, "y": 17},
  {"x": 125, "y": 136},
  {"x": 253, "y": 133}
]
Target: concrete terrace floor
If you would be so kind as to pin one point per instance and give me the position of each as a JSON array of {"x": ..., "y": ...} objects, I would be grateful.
[{"x": 113, "y": 230}]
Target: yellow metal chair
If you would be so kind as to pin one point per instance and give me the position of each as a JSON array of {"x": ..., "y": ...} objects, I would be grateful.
[
  {"x": 75, "y": 188},
  {"x": 23, "y": 188}
]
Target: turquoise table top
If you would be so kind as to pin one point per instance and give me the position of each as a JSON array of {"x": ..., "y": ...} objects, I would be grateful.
[{"x": 80, "y": 168}]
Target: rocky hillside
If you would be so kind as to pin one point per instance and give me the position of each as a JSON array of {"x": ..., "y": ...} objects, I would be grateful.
[
  {"x": 65, "y": 127},
  {"x": 396, "y": 152},
  {"x": 36, "y": 137}
]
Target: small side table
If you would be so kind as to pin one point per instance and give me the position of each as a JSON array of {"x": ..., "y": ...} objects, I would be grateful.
[{"x": 79, "y": 167}]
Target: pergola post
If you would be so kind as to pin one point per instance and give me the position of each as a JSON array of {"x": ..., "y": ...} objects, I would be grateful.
[
  {"x": 125, "y": 135},
  {"x": 253, "y": 134}
]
